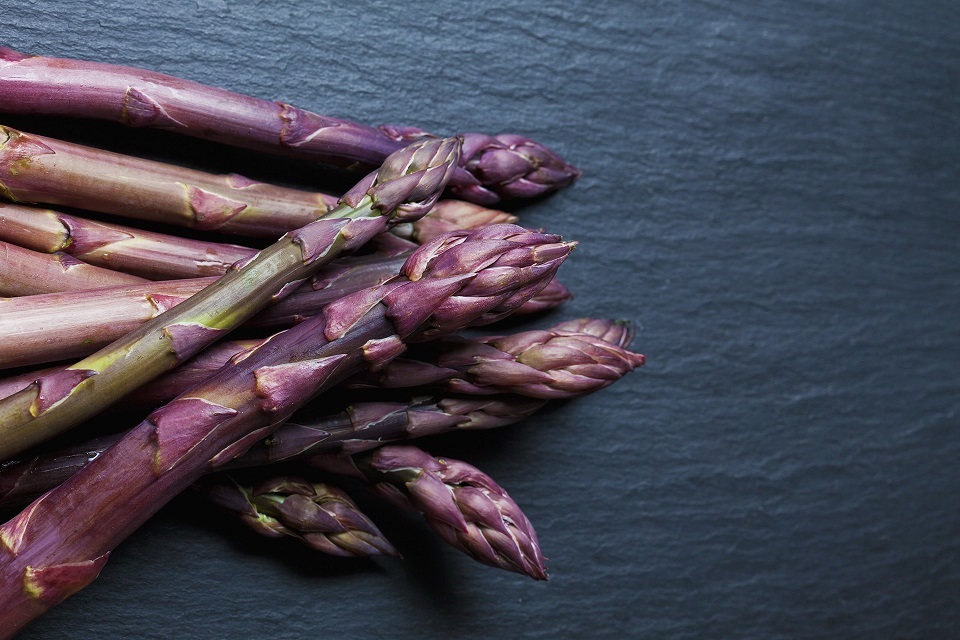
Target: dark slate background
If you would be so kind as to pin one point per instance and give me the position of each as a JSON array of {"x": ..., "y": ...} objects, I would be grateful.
[{"x": 770, "y": 191}]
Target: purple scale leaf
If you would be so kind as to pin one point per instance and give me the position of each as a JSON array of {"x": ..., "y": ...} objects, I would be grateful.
[
  {"x": 19, "y": 148},
  {"x": 316, "y": 238},
  {"x": 279, "y": 384},
  {"x": 57, "y": 386},
  {"x": 140, "y": 110},
  {"x": 185, "y": 336},
  {"x": 506, "y": 373},
  {"x": 339, "y": 316},
  {"x": 425, "y": 423},
  {"x": 303, "y": 514},
  {"x": 378, "y": 353},
  {"x": 86, "y": 237},
  {"x": 211, "y": 211},
  {"x": 409, "y": 312},
  {"x": 182, "y": 425},
  {"x": 53, "y": 584}
]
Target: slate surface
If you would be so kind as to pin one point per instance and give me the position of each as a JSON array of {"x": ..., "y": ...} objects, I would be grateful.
[{"x": 770, "y": 190}]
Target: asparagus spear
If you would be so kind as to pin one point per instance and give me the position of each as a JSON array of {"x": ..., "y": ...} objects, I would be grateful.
[
  {"x": 406, "y": 186},
  {"x": 320, "y": 515},
  {"x": 493, "y": 167},
  {"x": 451, "y": 215},
  {"x": 58, "y": 544},
  {"x": 36, "y": 168},
  {"x": 157, "y": 256},
  {"x": 24, "y": 272},
  {"x": 462, "y": 504},
  {"x": 561, "y": 362},
  {"x": 161, "y": 256},
  {"x": 45, "y": 328},
  {"x": 361, "y": 426}
]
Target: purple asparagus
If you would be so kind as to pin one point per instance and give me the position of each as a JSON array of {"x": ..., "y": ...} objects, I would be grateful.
[
  {"x": 462, "y": 504},
  {"x": 58, "y": 544},
  {"x": 493, "y": 168},
  {"x": 24, "y": 272},
  {"x": 157, "y": 256},
  {"x": 562, "y": 362},
  {"x": 361, "y": 426},
  {"x": 29, "y": 336},
  {"x": 407, "y": 186},
  {"x": 36, "y": 168},
  {"x": 320, "y": 515}
]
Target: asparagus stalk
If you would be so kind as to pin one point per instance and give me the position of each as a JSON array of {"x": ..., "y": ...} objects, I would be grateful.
[
  {"x": 24, "y": 272},
  {"x": 359, "y": 427},
  {"x": 462, "y": 504},
  {"x": 161, "y": 256},
  {"x": 320, "y": 515},
  {"x": 405, "y": 187},
  {"x": 157, "y": 256},
  {"x": 492, "y": 167},
  {"x": 58, "y": 544},
  {"x": 36, "y": 168},
  {"x": 45, "y": 328},
  {"x": 562, "y": 362}
]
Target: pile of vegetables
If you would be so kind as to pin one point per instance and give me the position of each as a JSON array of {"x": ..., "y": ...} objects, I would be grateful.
[{"x": 224, "y": 351}]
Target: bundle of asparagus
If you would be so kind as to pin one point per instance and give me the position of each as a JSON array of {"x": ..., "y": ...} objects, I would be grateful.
[{"x": 362, "y": 292}]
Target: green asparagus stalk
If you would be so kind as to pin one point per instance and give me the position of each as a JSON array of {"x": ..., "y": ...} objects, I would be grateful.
[
  {"x": 24, "y": 272},
  {"x": 406, "y": 186},
  {"x": 58, "y": 544},
  {"x": 462, "y": 504},
  {"x": 320, "y": 515},
  {"x": 492, "y": 167},
  {"x": 152, "y": 255}
]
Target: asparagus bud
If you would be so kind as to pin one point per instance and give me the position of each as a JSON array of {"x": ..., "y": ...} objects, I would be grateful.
[
  {"x": 321, "y": 516},
  {"x": 462, "y": 504},
  {"x": 452, "y": 215}
]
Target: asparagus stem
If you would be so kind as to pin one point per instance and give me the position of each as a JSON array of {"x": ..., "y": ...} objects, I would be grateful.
[
  {"x": 36, "y": 168},
  {"x": 157, "y": 256},
  {"x": 562, "y": 362},
  {"x": 406, "y": 186},
  {"x": 24, "y": 272},
  {"x": 58, "y": 544},
  {"x": 492, "y": 167},
  {"x": 27, "y": 337},
  {"x": 361, "y": 426}
]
